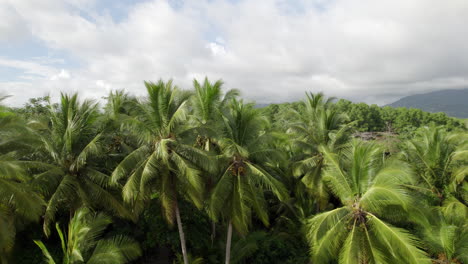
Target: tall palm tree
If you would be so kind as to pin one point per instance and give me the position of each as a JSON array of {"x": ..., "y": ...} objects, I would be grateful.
[
  {"x": 18, "y": 201},
  {"x": 372, "y": 197},
  {"x": 317, "y": 125},
  {"x": 163, "y": 163},
  {"x": 240, "y": 189},
  {"x": 84, "y": 242},
  {"x": 208, "y": 103},
  {"x": 69, "y": 143}
]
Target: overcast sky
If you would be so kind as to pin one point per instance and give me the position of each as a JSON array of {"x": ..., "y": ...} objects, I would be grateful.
[{"x": 374, "y": 51}]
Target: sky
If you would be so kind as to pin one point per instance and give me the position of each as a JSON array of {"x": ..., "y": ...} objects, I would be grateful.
[{"x": 372, "y": 51}]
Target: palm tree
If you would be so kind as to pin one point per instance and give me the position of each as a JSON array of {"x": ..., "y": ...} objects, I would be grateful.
[
  {"x": 440, "y": 159},
  {"x": 372, "y": 197},
  {"x": 163, "y": 163},
  {"x": 84, "y": 242},
  {"x": 315, "y": 102},
  {"x": 208, "y": 103},
  {"x": 69, "y": 143},
  {"x": 18, "y": 201},
  {"x": 447, "y": 242},
  {"x": 243, "y": 179},
  {"x": 119, "y": 104},
  {"x": 119, "y": 142},
  {"x": 318, "y": 125}
]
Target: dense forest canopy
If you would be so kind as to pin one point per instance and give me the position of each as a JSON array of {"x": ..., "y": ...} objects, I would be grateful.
[
  {"x": 375, "y": 118},
  {"x": 200, "y": 176}
]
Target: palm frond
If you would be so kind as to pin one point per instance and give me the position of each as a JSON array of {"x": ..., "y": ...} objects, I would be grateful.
[
  {"x": 325, "y": 233},
  {"x": 47, "y": 257},
  {"x": 404, "y": 246},
  {"x": 118, "y": 250}
]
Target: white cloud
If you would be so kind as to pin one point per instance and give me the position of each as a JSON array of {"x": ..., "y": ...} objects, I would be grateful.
[
  {"x": 63, "y": 74},
  {"x": 12, "y": 25},
  {"x": 38, "y": 69},
  {"x": 104, "y": 84},
  {"x": 367, "y": 50},
  {"x": 216, "y": 49}
]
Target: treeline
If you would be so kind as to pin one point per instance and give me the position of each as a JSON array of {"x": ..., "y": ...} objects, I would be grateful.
[
  {"x": 372, "y": 118},
  {"x": 200, "y": 176}
]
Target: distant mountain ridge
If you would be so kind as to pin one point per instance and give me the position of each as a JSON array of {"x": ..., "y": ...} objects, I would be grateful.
[{"x": 453, "y": 102}]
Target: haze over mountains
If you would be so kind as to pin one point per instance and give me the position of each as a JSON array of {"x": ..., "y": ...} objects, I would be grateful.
[{"x": 453, "y": 102}]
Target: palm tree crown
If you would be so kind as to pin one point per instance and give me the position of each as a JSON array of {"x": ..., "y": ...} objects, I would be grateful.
[
  {"x": 71, "y": 181},
  {"x": 162, "y": 163},
  {"x": 440, "y": 159},
  {"x": 370, "y": 191},
  {"x": 316, "y": 126},
  {"x": 244, "y": 151},
  {"x": 208, "y": 99}
]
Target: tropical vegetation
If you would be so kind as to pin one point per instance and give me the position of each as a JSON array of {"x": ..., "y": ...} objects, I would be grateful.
[{"x": 202, "y": 176}]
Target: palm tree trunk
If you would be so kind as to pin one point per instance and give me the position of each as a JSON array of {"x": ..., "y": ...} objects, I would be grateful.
[
  {"x": 213, "y": 231},
  {"x": 228, "y": 243},
  {"x": 181, "y": 233}
]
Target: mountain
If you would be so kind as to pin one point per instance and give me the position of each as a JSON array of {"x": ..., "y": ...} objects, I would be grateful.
[{"x": 453, "y": 102}]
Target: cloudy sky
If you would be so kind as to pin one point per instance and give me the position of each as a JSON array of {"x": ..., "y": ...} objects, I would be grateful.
[{"x": 272, "y": 50}]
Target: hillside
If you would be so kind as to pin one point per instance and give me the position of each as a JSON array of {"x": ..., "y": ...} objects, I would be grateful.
[{"x": 452, "y": 102}]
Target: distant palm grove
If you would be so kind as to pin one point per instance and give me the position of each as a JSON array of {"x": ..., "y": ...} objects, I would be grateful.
[{"x": 201, "y": 176}]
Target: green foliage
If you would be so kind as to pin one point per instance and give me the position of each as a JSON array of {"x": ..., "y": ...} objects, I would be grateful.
[
  {"x": 370, "y": 117},
  {"x": 264, "y": 248},
  {"x": 18, "y": 203},
  {"x": 36, "y": 108},
  {"x": 317, "y": 126},
  {"x": 69, "y": 180},
  {"x": 447, "y": 241},
  {"x": 155, "y": 232},
  {"x": 84, "y": 242},
  {"x": 370, "y": 190},
  {"x": 208, "y": 101},
  {"x": 244, "y": 147},
  {"x": 440, "y": 160},
  {"x": 162, "y": 161},
  {"x": 288, "y": 177},
  {"x": 401, "y": 120}
]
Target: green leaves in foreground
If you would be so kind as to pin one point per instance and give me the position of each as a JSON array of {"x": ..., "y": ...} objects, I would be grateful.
[
  {"x": 18, "y": 202},
  {"x": 372, "y": 197},
  {"x": 85, "y": 242}
]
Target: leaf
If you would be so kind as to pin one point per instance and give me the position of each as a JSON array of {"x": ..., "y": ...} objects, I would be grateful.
[
  {"x": 399, "y": 241},
  {"x": 45, "y": 252}
]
